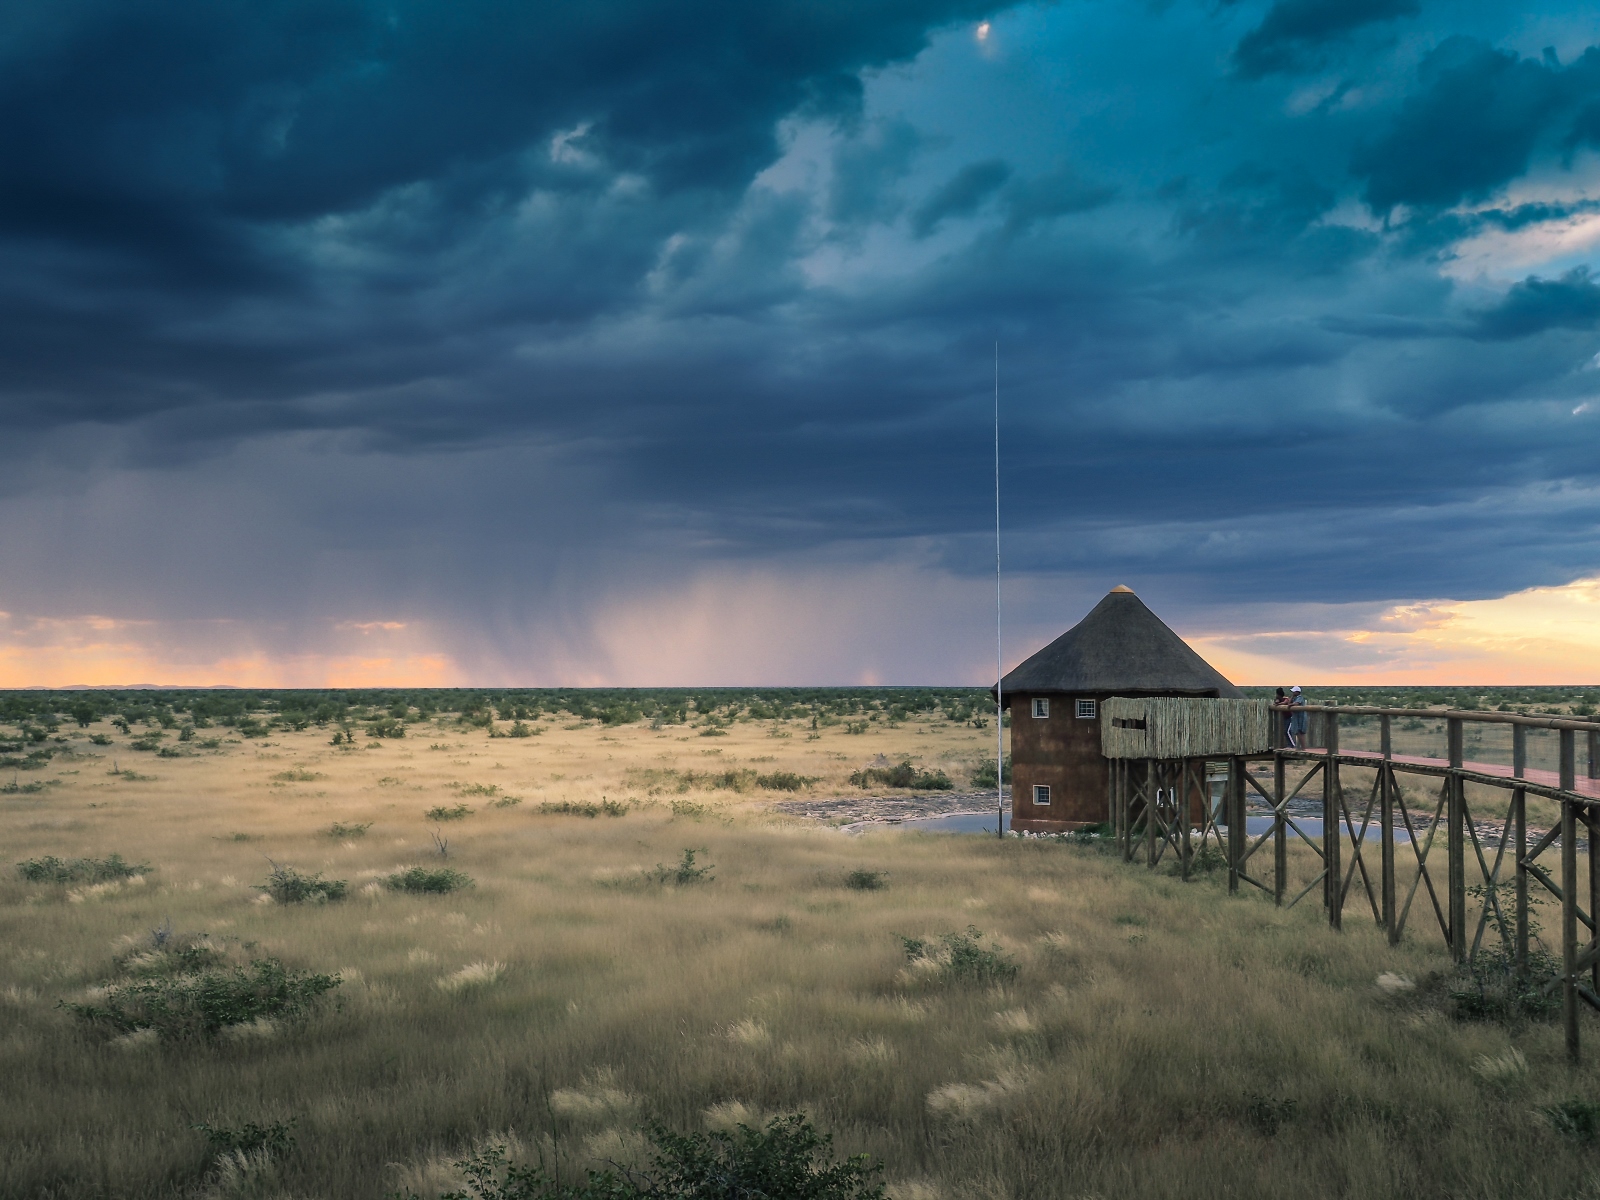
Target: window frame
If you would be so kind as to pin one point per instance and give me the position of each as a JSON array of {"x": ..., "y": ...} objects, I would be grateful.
[
  {"x": 1041, "y": 789},
  {"x": 1092, "y": 706},
  {"x": 1040, "y": 708}
]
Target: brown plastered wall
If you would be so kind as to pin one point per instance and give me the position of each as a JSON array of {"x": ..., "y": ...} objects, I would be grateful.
[{"x": 1063, "y": 751}]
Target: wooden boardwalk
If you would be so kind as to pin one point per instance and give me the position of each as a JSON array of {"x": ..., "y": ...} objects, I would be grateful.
[{"x": 1162, "y": 807}]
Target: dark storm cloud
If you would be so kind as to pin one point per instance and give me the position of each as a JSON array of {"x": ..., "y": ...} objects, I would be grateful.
[
  {"x": 1474, "y": 122},
  {"x": 1293, "y": 30},
  {"x": 1535, "y": 305},
  {"x": 717, "y": 281},
  {"x": 961, "y": 195}
]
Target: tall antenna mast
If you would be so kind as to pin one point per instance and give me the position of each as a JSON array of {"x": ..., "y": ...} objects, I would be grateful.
[{"x": 999, "y": 662}]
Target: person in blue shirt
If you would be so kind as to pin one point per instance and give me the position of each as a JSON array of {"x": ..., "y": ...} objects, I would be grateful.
[{"x": 1297, "y": 718}]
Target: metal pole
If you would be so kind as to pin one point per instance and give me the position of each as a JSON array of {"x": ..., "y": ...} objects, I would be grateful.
[
  {"x": 1456, "y": 844},
  {"x": 1386, "y": 829},
  {"x": 1519, "y": 832},
  {"x": 999, "y": 660}
]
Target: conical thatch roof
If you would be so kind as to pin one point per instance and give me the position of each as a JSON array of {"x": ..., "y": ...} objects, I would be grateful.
[{"x": 1121, "y": 648}]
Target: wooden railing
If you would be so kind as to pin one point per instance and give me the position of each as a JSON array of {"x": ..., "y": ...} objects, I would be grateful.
[{"x": 1154, "y": 812}]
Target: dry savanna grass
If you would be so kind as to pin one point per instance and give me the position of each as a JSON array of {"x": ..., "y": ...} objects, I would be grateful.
[{"x": 1156, "y": 1039}]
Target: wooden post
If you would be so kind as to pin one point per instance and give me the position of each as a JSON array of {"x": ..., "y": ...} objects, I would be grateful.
[
  {"x": 1332, "y": 826},
  {"x": 1386, "y": 828},
  {"x": 1569, "y": 911},
  {"x": 1569, "y": 761},
  {"x": 1456, "y": 844},
  {"x": 1519, "y": 832},
  {"x": 1151, "y": 791},
  {"x": 1591, "y": 823},
  {"x": 1594, "y": 754},
  {"x": 1280, "y": 831},
  {"x": 1234, "y": 802},
  {"x": 1185, "y": 774}
]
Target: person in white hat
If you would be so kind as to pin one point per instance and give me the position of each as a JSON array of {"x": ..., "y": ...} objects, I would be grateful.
[{"x": 1297, "y": 718}]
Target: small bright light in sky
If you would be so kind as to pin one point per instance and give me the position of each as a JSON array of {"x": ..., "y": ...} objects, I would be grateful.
[{"x": 983, "y": 31}]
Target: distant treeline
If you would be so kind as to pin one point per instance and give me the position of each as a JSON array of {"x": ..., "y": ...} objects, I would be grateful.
[
  {"x": 298, "y": 708},
  {"x": 1578, "y": 699}
]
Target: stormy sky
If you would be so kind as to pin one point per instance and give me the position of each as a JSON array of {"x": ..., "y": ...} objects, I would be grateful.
[{"x": 467, "y": 342}]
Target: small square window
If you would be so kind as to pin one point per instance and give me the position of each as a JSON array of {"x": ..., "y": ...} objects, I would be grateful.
[
  {"x": 1086, "y": 709},
  {"x": 1041, "y": 793},
  {"x": 1041, "y": 706}
]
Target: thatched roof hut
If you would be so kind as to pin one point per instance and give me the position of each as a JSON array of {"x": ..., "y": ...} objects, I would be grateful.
[
  {"x": 1120, "y": 649},
  {"x": 1060, "y": 775}
]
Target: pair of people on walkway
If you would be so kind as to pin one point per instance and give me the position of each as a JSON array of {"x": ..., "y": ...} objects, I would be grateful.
[{"x": 1294, "y": 726}]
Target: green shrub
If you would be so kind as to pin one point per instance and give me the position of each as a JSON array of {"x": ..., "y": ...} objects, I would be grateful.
[
  {"x": 786, "y": 781},
  {"x": 685, "y": 871},
  {"x": 1578, "y": 1119},
  {"x": 983, "y": 773},
  {"x": 351, "y": 829},
  {"x": 99, "y": 739},
  {"x": 863, "y": 880},
  {"x": 456, "y": 813},
  {"x": 421, "y": 879},
  {"x": 288, "y": 886},
  {"x": 786, "y": 1160},
  {"x": 962, "y": 958},
  {"x": 583, "y": 808},
  {"x": 201, "y": 1005},
  {"x": 273, "y": 1139},
  {"x": 31, "y": 788},
  {"x": 1491, "y": 988},
  {"x": 387, "y": 727},
  {"x": 1267, "y": 1115},
  {"x": 297, "y": 776},
  {"x": 50, "y": 869},
  {"x": 902, "y": 776}
]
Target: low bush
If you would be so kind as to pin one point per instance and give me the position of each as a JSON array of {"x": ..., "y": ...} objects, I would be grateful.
[
  {"x": 288, "y": 886},
  {"x": 902, "y": 776},
  {"x": 785, "y": 1160},
  {"x": 863, "y": 880},
  {"x": 273, "y": 1138},
  {"x": 1491, "y": 988},
  {"x": 583, "y": 808},
  {"x": 1266, "y": 1115},
  {"x": 1577, "y": 1119},
  {"x": 183, "y": 1007},
  {"x": 454, "y": 813},
  {"x": 424, "y": 880},
  {"x": 983, "y": 773},
  {"x": 31, "y": 788},
  {"x": 51, "y": 869},
  {"x": 100, "y": 739},
  {"x": 349, "y": 829},
  {"x": 786, "y": 781},
  {"x": 387, "y": 727},
  {"x": 962, "y": 958},
  {"x": 685, "y": 871}
]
